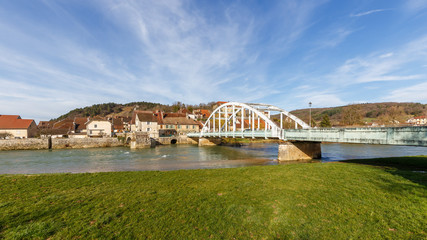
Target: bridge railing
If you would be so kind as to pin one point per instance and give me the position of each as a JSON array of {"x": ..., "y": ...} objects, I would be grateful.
[{"x": 410, "y": 136}]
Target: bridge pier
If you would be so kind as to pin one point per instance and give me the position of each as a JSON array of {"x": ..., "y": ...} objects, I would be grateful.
[
  {"x": 294, "y": 151},
  {"x": 209, "y": 141},
  {"x": 141, "y": 140}
]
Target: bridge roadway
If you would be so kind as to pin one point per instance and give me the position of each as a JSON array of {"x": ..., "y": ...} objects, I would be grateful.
[{"x": 409, "y": 136}]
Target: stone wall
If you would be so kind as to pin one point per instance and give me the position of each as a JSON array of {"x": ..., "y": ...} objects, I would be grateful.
[
  {"x": 58, "y": 143},
  {"x": 23, "y": 144},
  {"x": 175, "y": 140}
]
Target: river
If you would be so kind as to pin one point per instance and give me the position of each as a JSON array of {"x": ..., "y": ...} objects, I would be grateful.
[{"x": 174, "y": 157}]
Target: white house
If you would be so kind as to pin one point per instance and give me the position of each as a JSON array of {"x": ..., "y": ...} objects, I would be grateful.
[
  {"x": 146, "y": 121},
  {"x": 421, "y": 120},
  {"x": 98, "y": 128}
]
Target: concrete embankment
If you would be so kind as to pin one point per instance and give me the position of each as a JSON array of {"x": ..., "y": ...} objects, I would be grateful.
[{"x": 58, "y": 143}]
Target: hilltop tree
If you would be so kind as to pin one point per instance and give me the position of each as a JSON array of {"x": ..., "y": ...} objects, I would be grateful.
[
  {"x": 325, "y": 121},
  {"x": 351, "y": 115},
  {"x": 394, "y": 115}
]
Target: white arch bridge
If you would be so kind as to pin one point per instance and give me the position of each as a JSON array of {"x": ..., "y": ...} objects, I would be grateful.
[{"x": 299, "y": 140}]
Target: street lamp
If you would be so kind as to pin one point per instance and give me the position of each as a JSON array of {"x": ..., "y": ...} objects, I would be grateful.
[{"x": 309, "y": 104}]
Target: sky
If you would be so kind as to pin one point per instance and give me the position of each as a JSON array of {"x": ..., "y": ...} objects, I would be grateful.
[{"x": 56, "y": 56}]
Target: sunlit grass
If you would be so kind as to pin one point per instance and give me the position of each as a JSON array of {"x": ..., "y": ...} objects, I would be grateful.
[{"x": 297, "y": 201}]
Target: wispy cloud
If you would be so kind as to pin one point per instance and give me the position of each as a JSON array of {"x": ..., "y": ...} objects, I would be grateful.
[
  {"x": 414, "y": 93},
  {"x": 179, "y": 52},
  {"x": 415, "y": 5},
  {"x": 383, "y": 67},
  {"x": 368, "y": 12},
  {"x": 334, "y": 37}
]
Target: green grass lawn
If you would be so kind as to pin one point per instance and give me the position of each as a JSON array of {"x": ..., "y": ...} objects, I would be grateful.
[{"x": 296, "y": 201}]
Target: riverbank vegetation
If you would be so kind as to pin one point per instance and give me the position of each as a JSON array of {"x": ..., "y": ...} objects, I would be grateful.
[{"x": 386, "y": 199}]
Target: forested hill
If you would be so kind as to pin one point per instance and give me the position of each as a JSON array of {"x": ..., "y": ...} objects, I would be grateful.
[
  {"x": 117, "y": 109},
  {"x": 355, "y": 114},
  {"x": 367, "y": 113}
]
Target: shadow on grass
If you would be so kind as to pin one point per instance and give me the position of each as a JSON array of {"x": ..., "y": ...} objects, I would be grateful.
[{"x": 411, "y": 168}]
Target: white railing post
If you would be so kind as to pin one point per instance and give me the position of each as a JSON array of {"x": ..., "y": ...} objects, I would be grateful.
[
  {"x": 281, "y": 120},
  {"x": 219, "y": 124},
  {"x": 265, "y": 131},
  {"x": 253, "y": 125},
  {"x": 213, "y": 117},
  {"x": 242, "y": 123},
  {"x": 226, "y": 121},
  {"x": 234, "y": 122}
]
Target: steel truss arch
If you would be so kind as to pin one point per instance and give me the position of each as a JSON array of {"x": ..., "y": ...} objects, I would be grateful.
[{"x": 252, "y": 109}]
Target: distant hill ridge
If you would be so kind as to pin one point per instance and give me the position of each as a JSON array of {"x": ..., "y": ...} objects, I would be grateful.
[
  {"x": 125, "y": 110},
  {"x": 353, "y": 114},
  {"x": 366, "y": 113}
]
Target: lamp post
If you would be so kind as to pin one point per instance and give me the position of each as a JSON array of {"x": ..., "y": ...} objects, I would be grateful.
[{"x": 309, "y": 104}]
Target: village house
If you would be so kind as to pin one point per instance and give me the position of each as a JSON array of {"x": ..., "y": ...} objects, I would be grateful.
[
  {"x": 79, "y": 127},
  {"x": 80, "y": 124},
  {"x": 121, "y": 124},
  {"x": 145, "y": 121},
  {"x": 421, "y": 120},
  {"x": 201, "y": 114},
  {"x": 98, "y": 128},
  {"x": 17, "y": 127},
  {"x": 178, "y": 122}
]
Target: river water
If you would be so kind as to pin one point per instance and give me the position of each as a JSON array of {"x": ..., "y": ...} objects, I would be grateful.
[{"x": 173, "y": 157}]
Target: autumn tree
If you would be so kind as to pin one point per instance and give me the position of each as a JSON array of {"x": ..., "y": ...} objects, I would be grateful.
[
  {"x": 394, "y": 115},
  {"x": 351, "y": 115}
]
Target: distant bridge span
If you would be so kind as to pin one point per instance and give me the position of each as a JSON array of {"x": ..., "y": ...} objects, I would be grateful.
[{"x": 251, "y": 120}]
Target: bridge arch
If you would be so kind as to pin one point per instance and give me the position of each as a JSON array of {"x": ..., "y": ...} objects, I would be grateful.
[{"x": 227, "y": 117}]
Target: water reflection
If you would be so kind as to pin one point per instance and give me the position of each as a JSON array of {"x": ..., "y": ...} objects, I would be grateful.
[{"x": 176, "y": 157}]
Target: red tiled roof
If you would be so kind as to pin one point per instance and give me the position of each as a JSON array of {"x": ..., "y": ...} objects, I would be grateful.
[
  {"x": 14, "y": 122},
  {"x": 80, "y": 122},
  {"x": 64, "y": 124},
  {"x": 420, "y": 117},
  {"x": 147, "y": 117},
  {"x": 132, "y": 121},
  {"x": 174, "y": 115},
  {"x": 179, "y": 120},
  {"x": 118, "y": 124},
  {"x": 205, "y": 112}
]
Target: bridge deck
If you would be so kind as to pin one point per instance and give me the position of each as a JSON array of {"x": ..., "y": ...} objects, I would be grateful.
[{"x": 410, "y": 136}]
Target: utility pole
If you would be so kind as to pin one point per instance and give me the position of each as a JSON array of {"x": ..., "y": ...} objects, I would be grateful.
[{"x": 309, "y": 104}]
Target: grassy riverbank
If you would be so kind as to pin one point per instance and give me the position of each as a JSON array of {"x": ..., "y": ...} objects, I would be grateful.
[{"x": 297, "y": 201}]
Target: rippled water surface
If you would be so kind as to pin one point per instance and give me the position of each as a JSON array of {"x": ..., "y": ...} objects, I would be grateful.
[{"x": 174, "y": 157}]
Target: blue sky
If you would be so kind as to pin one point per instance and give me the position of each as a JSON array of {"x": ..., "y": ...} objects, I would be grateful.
[{"x": 59, "y": 55}]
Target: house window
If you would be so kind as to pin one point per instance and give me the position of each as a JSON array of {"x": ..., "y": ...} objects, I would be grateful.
[
  {"x": 186, "y": 127},
  {"x": 148, "y": 123},
  {"x": 148, "y": 129},
  {"x": 194, "y": 127},
  {"x": 179, "y": 126},
  {"x": 95, "y": 126},
  {"x": 90, "y": 131}
]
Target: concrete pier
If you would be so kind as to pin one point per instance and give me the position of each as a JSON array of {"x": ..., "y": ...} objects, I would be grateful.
[
  {"x": 209, "y": 141},
  {"x": 294, "y": 151}
]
